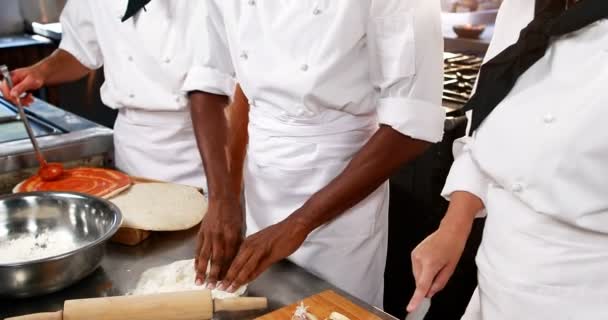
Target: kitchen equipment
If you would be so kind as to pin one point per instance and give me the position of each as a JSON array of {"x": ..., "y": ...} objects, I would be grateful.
[
  {"x": 322, "y": 305},
  {"x": 421, "y": 311},
  {"x": 90, "y": 221},
  {"x": 11, "y": 21},
  {"x": 193, "y": 305},
  {"x": 460, "y": 75},
  {"x": 469, "y": 31},
  {"x": 64, "y": 137},
  {"x": 48, "y": 171},
  {"x": 42, "y": 11}
]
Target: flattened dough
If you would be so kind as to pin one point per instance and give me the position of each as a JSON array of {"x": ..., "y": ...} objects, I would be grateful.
[
  {"x": 176, "y": 277},
  {"x": 161, "y": 207}
]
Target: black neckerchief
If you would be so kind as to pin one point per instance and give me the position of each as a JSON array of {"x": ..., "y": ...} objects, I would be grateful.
[
  {"x": 133, "y": 7},
  {"x": 498, "y": 76}
]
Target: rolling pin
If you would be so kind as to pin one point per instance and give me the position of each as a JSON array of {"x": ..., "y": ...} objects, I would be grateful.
[{"x": 192, "y": 305}]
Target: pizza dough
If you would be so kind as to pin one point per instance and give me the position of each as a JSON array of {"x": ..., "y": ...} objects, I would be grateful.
[
  {"x": 176, "y": 277},
  {"x": 92, "y": 181},
  {"x": 161, "y": 207}
]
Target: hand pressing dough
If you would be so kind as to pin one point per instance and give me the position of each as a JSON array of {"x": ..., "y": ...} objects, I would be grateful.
[
  {"x": 161, "y": 207},
  {"x": 176, "y": 277}
]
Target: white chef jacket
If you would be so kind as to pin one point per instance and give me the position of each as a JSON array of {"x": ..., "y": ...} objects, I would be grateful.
[
  {"x": 320, "y": 77},
  {"x": 145, "y": 60},
  {"x": 538, "y": 162},
  {"x": 328, "y": 58}
]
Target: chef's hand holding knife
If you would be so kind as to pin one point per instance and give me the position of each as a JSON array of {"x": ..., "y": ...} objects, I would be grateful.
[
  {"x": 59, "y": 67},
  {"x": 435, "y": 259}
]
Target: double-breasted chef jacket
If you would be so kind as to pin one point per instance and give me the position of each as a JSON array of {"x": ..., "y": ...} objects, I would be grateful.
[
  {"x": 321, "y": 75},
  {"x": 145, "y": 60},
  {"x": 539, "y": 162}
]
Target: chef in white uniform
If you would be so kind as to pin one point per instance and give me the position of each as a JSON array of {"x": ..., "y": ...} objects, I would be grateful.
[
  {"x": 341, "y": 94},
  {"x": 145, "y": 59},
  {"x": 537, "y": 166}
]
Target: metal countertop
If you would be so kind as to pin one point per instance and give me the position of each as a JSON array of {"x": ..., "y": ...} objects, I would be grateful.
[{"x": 283, "y": 284}]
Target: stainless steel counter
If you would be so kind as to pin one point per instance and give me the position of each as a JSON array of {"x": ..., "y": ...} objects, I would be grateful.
[{"x": 283, "y": 284}]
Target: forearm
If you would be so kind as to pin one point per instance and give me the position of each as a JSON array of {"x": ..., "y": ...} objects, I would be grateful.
[
  {"x": 211, "y": 131},
  {"x": 379, "y": 158},
  {"x": 60, "y": 67},
  {"x": 461, "y": 213},
  {"x": 238, "y": 120}
]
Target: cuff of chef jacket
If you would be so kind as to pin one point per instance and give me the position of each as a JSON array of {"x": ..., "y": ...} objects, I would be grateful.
[
  {"x": 466, "y": 176},
  {"x": 209, "y": 80},
  {"x": 414, "y": 118},
  {"x": 75, "y": 49}
]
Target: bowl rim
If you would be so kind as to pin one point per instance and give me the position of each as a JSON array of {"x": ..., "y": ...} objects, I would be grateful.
[{"x": 111, "y": 232}]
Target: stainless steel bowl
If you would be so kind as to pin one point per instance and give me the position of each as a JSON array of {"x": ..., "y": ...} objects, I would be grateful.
[{"x": 89, "y": 221}]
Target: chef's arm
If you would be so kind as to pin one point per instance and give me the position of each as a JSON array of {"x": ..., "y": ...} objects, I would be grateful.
[
  {"x": 464, "y": 208},
  {"x": 379, "y": 158},
  {"x": 212, "y": 135},
  {"x": 59, "y": 67},
  {"x": 435, "y": 259},
  {"x": 238, "y": 120},
  {"x": 220, "y": 232}
]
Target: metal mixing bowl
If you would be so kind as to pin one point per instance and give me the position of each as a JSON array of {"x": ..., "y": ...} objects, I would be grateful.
[{"x": 89, "y": 221}]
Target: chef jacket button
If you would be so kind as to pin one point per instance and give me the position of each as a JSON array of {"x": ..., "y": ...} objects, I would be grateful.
[
  {"x": 167, "y": 60},
  {"x": 244, "y": 55},
  {"x": 549, "y": 118},
  {"x": 251, "y": 2},
  {"x": 130, "y": 58},
  {"x": 517, "y": 187},
  {"x": 317, "y": 11},
  {"x": 304, "y": 67},
  {"x": 131, "y": 96}
]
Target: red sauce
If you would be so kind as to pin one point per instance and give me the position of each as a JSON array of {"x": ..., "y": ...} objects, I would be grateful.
[{"x": 93, "y": 181}]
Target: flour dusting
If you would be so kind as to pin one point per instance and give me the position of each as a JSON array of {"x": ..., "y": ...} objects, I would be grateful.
[
  {"x": 36, "y": 246},
  {"x": 176, "y": 277}
]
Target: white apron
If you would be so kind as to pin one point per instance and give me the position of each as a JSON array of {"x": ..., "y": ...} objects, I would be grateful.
[
  {"x": 290, "y": 160},
  {"x": 158, "y": 145},
  {"x": 533, "y": 266}
]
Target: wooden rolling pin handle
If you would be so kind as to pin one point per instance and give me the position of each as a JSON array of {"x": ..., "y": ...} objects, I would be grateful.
[
  {"x": 240, "y": 304},
  {"x": 40, "y": 316}
]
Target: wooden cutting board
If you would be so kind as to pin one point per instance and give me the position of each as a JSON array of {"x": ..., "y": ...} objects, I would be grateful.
[{"x": 322, "y": 305}]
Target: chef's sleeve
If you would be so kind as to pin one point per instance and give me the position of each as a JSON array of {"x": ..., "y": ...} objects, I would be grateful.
[
  {"x": 465, "y": 175},
  {"x": 212, "y": 70},
  {"x": 406, "y": 51},
  {"x": 78, "y": 35}
]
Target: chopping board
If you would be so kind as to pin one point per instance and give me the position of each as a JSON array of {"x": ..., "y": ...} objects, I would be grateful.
[
  {"x": 322, "y": 305},
  {"x": 130, "y": 236}
]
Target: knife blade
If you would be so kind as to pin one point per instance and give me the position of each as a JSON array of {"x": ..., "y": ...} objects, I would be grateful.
[{"x": 421, "y": 311}]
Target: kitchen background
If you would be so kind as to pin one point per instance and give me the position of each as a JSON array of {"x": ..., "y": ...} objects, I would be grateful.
[{"x": 29, "y": 31}]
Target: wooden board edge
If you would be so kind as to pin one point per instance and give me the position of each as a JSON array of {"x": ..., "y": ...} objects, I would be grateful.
[{"x": 328, "y": 295}]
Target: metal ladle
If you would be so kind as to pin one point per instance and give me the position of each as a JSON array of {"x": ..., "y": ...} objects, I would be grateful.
[{"x": 47, "y": 171}]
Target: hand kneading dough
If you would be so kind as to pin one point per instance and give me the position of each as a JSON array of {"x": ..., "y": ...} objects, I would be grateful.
[
  {"x": 161, "y": 207},
  {"x": 176, "y": 277}
]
